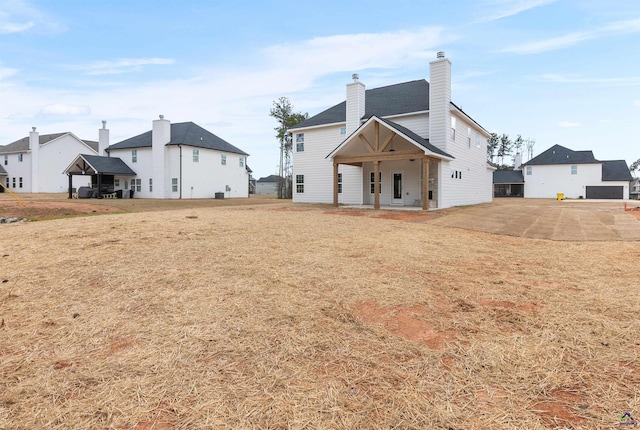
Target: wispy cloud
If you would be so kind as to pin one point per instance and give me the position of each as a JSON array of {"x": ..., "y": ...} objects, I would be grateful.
[
  {"x": 119, "y": 66},
  {"x": 551, "y": 44},
  {"x": 499, "y": 9},
  {"x": 572, "y": 79},
  {"x": 636, "y": 102},
  {"x": 568, "y": 124},
  {"x": 66, "y": 110},
  {"x": 5, "y": 72},
  {"x": 18, "y": 16}
]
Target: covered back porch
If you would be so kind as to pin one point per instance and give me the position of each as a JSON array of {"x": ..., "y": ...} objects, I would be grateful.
[{"x": 405, "y": 165}]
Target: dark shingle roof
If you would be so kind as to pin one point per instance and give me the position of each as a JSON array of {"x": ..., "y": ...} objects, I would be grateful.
[
  {"x": 22, "y": 145},
  {"x": 105, "y": 165},
  {"x": 560, "y": 155},
  {"x": 270, "y": 178},
  {"x": 616, "y": 170},
  {"x": 508, "y": 177},
  {"x": 420, "y": 140},
  {"x": 395, "y": 99},
  {"x": 182, "y": 133}
]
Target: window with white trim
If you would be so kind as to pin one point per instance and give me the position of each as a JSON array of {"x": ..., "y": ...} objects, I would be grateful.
[
  {"x": 196, "y": 155},
  {"x": 468, "y": 137},
  {"x": 150, "y": 185},
  {"x": 116, "y": 182},
  {"x": 136, "y": 184},
  {"x": 574, "y": 170},
  {"x": 343, "y": 131},
  {"x": 6, "y": 160},
  {"x": 20, "y": 182},
  {"x": 529, "y": 170},
  {"x": 14, "y": 182},
  {"x": 7, "y": 182},
  {"x": 223, "y": 159},
  {"x": 174, "y": 185},
  {"x": 300, "y": 184},
  {"x": 453, "y": 128},
  {"x": 20, "y": 158},
  {"x": 299, "y": 142},
  {"x": 241, "y": 161},
  {"x": 339, "y": 183},
  {"x": 372, "y": 182},
  {"x": 134, "y": 155}
]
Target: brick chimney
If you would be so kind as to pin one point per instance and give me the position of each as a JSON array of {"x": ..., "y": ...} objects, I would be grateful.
[
  {"x": 103, "y": 139},
  {"x": 160, "y": 136},
  {"x": 34, "y": 148},
  {"x": 439, "y": 102},
  {"x": 355, "y": 103}
]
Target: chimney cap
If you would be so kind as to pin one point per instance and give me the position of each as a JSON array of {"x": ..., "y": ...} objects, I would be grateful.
[
  {"x": 33, "y": 128},
  {"x": 355, "y": 77},
  {"x": 161, "y": 116},
  {"x": 104, "y": 124},
  {"x": 440, "y": 55}
]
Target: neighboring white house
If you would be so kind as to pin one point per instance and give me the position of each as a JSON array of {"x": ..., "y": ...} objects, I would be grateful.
[
  {"x": 423, "y": 149},
  {"x": 268, "y": 184},
  {"x": 575, "y": 174},
  {"x": 34, "y": 164},
  {"x": 177, "y": 161},
  {"x": 634, "y": 191}
]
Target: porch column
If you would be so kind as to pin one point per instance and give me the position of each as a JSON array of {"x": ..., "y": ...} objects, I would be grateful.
[
  {"x": 70, "y": 185},
  {"x": 376, "y": 184},
  {"x": 425, "y": 184},
  {"x": 335, "y": 184}
]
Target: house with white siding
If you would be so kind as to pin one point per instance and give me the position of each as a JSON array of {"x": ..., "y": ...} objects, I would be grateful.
[
  {"x": 406, "y": 144},
  {"x": 34, "y": 164},
  {"x": 576, "y": 175},
  {"x": 177, "y": 161}
]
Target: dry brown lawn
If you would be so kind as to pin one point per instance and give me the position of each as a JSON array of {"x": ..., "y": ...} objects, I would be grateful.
[{"x": 289, "y": 317}]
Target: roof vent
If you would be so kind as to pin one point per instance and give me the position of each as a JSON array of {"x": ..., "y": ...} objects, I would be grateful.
[
  {"x": 440, "y": 55},
  {"x": 355, "y": 77}
]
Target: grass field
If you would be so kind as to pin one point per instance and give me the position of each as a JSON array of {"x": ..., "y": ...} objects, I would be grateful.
[{"x": 274, "y": 316}]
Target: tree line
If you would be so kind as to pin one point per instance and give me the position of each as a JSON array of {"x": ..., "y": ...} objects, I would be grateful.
[{"x": 500, "y": 147}]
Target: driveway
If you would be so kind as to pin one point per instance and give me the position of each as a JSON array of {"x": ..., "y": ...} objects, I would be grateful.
[{"x": 549, "y": 219}]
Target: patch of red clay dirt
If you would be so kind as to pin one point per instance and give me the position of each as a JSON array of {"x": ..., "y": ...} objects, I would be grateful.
[
  {"x": 408, "y": 216},
  {"x": 558, "y": 411},
  {"x": 402, "y": 321},
  {"x": 345, "y": 212}
]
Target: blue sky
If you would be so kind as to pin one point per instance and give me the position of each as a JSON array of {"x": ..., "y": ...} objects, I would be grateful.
[{"x": 559, "y": 72}]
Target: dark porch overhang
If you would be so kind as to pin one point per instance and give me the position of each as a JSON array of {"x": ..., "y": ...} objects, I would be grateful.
[{"x": 90, "y": 165}]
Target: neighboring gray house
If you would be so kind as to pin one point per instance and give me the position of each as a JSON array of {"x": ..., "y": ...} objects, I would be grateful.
[
  {"x": 268, "y": 185},
  {"x": 634, "y": 189}
]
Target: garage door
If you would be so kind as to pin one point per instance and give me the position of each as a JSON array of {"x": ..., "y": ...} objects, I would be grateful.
[{"x": 605, "y": 192}]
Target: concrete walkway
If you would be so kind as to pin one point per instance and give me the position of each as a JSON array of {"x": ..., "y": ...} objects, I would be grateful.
[{"x": 548, "y": 219}]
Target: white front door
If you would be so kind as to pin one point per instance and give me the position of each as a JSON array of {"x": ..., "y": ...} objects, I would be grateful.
[{"x": 396, "y": 180}]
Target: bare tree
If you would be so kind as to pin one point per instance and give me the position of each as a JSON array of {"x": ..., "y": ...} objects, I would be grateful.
[{"x": 282, "y": 111}]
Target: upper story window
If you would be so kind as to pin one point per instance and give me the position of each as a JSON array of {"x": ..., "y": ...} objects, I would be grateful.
[
  {"x": 468, "y": 137},
  {"x": 529, "y": 170},
  {"x": 134, "y": 155},
  {"x": 20, "y": 158},
  {"x": 299, "y": 142},
  {"x": 223, "y": 159},
  {"x": 478, "y": 140},
  {"x": 343, "y": 131},
  {"x": 6, "y": 160},
  {"x": 453, "y": 128},
  {"x": 241, "y": 161},
  {"x": 196, "y": 155},
  {"x": 574, "y": 170}
]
